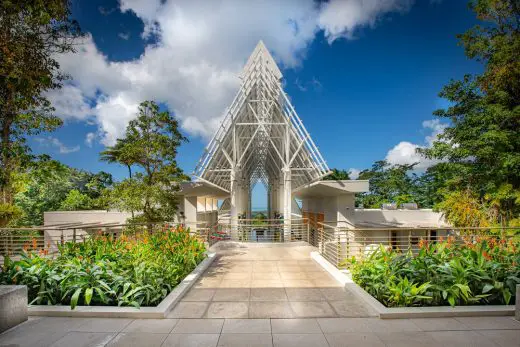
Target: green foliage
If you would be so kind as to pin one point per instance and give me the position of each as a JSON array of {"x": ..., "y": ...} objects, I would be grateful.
[
  {"x": 389, "y": 183},
  {"x": 481, "y": 146},
  {"x": 443, "y": 273},
  {"x": 48, "y": 183},
  {"x": 337, "y": 175},
  {"x": 150, "y": 143},
  {"x": 133, "y": 270},
  {"x": 31, "y": 33},
  {"x": 75, "y": 200}
]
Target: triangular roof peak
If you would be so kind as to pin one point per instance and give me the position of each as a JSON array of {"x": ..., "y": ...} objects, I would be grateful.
[{"x": 262, "y": 55}]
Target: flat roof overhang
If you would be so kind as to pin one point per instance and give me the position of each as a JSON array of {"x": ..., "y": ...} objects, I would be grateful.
[
  {"x": 201, "y": 188},
  {"x": 322, "y": 189}
]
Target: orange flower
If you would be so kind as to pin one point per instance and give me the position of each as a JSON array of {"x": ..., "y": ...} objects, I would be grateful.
[
  {"x": 486, "y": 255},
  {"x": 34, "y": 243}
]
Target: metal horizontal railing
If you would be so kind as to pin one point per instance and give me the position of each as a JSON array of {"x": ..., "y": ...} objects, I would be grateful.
[
  {"x": 46, "y": 239},
  {"x": 266, "y": 230},
  {"x": 338, "y": 244}
]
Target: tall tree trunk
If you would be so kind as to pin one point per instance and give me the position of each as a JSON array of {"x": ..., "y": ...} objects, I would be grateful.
[
  {"x": 6, "y": 167},
  {"x": 130, "y": 176}
]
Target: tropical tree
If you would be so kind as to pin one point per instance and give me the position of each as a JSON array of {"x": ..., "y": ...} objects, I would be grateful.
[
  {"x": 31, "y": 33},
  {"x": 48, "y": 185},
  {"x": 388, "y": 183},
  {"x": 150, "y": 143},
  {"x": 121, "y": 153},
  {"x": 337, "y": 175},
  {"x": 481, "y": 146}
]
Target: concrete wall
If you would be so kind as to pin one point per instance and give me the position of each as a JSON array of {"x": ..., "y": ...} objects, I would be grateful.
[
  {"x": 423, "y": 217},
  {"x": 62, "y": 217}
]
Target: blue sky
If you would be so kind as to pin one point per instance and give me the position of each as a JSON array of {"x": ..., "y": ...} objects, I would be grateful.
[{"x": 361, "y": 85}]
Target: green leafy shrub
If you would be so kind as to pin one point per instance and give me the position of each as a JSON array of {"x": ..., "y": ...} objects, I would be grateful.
[
  {"x": 132, "y": 270},
  {"x": 443, "y": 273}
]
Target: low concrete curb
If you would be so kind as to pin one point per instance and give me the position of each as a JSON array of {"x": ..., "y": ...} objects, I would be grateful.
[
  {"x": 160, "y": 311},
  {"x": 13, "y": 306},
  {"x": 411, "y": 312}
]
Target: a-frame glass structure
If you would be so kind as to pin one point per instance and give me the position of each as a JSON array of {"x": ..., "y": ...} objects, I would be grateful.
[{"x": 261, "y": 139}]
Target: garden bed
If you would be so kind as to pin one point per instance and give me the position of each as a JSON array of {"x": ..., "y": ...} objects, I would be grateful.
[
  {"x": 130, "y": 272},
  {"x": 485, "y": 272}
]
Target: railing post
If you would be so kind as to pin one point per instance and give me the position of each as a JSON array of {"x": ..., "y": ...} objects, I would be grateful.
[
  {"x": 74, "y": 235},
  {"x": 338, "y": 248},
  {"x": 308, "y": 233}
]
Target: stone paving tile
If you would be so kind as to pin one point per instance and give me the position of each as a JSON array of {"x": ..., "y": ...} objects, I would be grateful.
[
  {"x": 299, "y": 340},
  {"x": 267, "y": 284},
  {"x": 391, "y": 325},
  {"x": 433, "y": 324},
  {"x": 504, "y": 338},
  {"x": 186, "y": 309},
  {"x": 191, "y": 340},
  {"x": 270, "y": 309},
  {"x": 104, "y": 325},
  {"x": 137, "y": 340},
  {"x": 312, "y": 309},
  {"x": 84, "y": 339},
  {"x": 198, "y": 326},
  {"x": 232, "y": 294},
  {"x": 268, "y": 294},
  {"x": 227, "y": 310},
  {"x": 460, "y": 339},
  {"x": 407, "y": 339},
  {"x": 247, "y": 326},
  {"x": 304, "y": 294},
  {"x": 294, "y": 283},
  {"x": 288, "y": 268},
  {"x": 489, "y": 323},
  {"x": 208, "y": 282},
  {"x": 22, "y": 337},
  {"x": 154, "y": 326},
  {"x": 199, "y": 294},
  {"x": 354, "y": 340},
  {"x": 273, "y": 275},
  {"x": 237, "y": 276},
  {"x": 235, "y": 284},
  {"x": 56, "y": 324},
  {"x": 249, "y": 340},
  {"x": 325, "y": 283},
  {"x": 293, "y": 275},
  {"x": 334, "y": 294},
  {"x": 351, "y": 309},
  {"x": 343, "y": 325},
  {"x": 295, "y": 326}
]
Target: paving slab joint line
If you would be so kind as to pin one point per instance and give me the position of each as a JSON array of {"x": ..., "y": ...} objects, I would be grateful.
[
  {"x": 159, "y": 311},
  {"x": 411, "y": 312}
]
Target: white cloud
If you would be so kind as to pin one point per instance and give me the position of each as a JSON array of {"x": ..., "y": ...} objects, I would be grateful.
[
  {"x": 341, "y": 18},
  {"x": 89, "y": 139},
  {"x": 124, "y": 36},
  {"x": 406, "y": 152},
  {"x": 50, "y": 141},
  {"x": 193, "y": 64},
  {"x": 354, "y": 173}
]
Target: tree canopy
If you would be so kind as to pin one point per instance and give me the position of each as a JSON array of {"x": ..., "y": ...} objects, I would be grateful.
[
  {"x": 481, "y": 147},
  {"x": 31, "y": 32},
  {"x": 150, "y": 143}
]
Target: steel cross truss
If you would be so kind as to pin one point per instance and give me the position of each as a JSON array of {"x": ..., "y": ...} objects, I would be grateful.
[{"x": 261, "y": 136}]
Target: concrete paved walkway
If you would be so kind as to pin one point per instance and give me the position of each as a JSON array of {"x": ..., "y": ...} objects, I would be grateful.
[
  {"x": 278, "y": 281},
  {"x": 264, "y": 282},
  {"x": 309, "y": 332}
]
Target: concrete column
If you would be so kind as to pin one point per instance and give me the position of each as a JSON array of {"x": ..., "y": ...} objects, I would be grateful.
[
  {"x": 234, "y": 192},
  {"x": 287, "y": 204},
  {"x": 190, "y": 212}
]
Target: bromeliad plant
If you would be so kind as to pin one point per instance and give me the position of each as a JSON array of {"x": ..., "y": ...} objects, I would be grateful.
[
  {"x": 485, "y": 271},
  {"x": 131, "y": 270}
]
